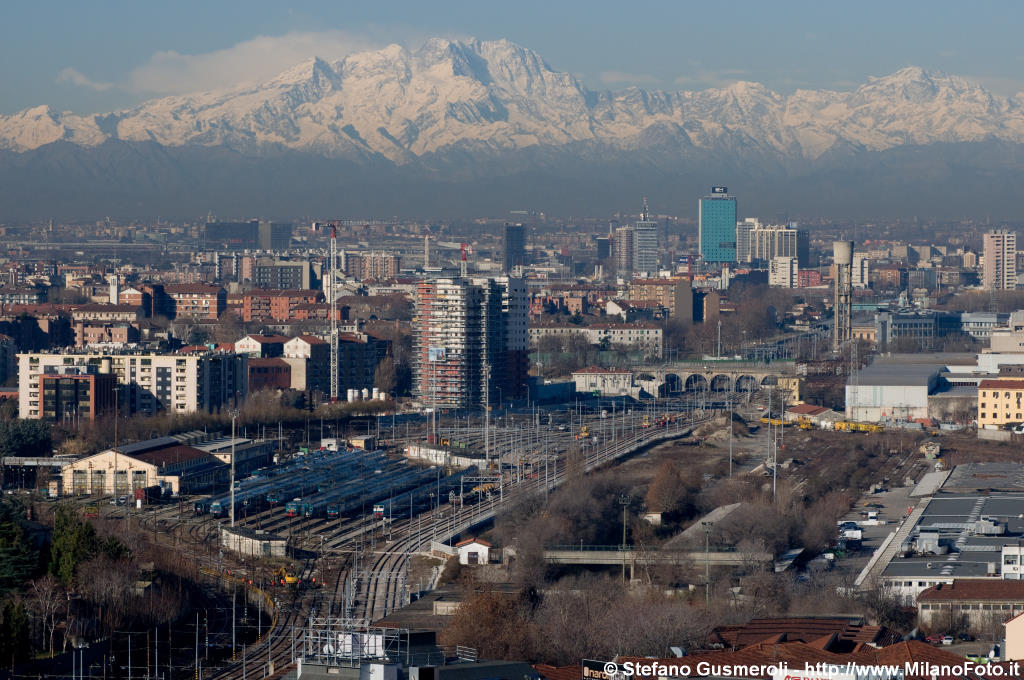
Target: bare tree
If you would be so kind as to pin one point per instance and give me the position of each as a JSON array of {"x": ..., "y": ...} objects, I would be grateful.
[{"x": 46, "y": 601}]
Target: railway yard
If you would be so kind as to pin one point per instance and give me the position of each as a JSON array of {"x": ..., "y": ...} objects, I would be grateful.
[{"x": 353, "y": 521}]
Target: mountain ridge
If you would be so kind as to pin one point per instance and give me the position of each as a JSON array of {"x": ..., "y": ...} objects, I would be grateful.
[{"x": 401, "y": 104}]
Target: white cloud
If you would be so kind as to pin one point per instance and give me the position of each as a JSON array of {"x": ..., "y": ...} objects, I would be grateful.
[
  {"x": 706, "y": 78},
  {"x": 616, "y": 77},
  {"x": 249, "y": 61},
  {"x": 76, "y": 77}
]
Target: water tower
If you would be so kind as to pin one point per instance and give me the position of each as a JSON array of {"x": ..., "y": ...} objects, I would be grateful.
[{"x": 843, "y": 304}]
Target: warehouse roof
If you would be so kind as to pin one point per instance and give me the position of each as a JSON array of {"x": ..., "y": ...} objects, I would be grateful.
[{"x": 884, "y": 373}]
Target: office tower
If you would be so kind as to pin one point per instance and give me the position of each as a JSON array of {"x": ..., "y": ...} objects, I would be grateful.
[
  {"x": 717, "y": 225},
  {"x": 274, "y": 235},
  {"x": 743, "y": 230},
  {"x": 604, "y": 247},
  {"x": 515, "y": 247},
  {"x": 623, "y": 247},
  {"x": 999, "y": 271},
  {"x": 803, "y": 246},
  {"x": 465, "y": 329},
  {"x": 645, "y": 244},
  {"x": 783, "y": 272},
  {"x": 842, "y": 305},
  {"x": 232, "y": 235}
]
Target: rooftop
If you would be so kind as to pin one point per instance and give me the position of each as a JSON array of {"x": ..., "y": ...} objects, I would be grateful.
[
  {"x": 884, "y": 372},
  {"x": 974, "y": 589}
]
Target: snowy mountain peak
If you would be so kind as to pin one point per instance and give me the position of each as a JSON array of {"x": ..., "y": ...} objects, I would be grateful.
[{"x": 484, "y": 97}]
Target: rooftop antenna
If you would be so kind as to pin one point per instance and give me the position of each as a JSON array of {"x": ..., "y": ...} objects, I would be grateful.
[
  {"x": 644, "y": 212},
  {"x": 462, "y": 262}
]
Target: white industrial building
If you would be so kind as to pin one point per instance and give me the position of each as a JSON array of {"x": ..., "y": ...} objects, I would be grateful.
[{"x": 891, "y": 390}]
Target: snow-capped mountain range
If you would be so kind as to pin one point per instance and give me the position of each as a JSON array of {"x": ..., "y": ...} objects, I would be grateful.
[{"x": 492, "y": 97}]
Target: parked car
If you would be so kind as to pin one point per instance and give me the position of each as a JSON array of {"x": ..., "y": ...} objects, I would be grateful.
[
  {"x": 965, "y": 637},
  {"x": 934, "y": 639},
  {"x": 947, "y": 639}
]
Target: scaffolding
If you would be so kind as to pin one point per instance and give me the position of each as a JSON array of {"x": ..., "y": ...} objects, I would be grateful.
[{"x": 333, "y": 641}]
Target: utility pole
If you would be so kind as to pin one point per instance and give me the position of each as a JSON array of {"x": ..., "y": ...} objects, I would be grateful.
[
  {"x": 234, "y": 417},
  {"x": 624, "y": 502},
  {"x": 730, "y": 430},
  {"x": 707, "y": 563},
  {"x": 487, "y": 417}
]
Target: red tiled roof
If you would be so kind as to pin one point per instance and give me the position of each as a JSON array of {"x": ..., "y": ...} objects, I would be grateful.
[
  {"x": 172, "y": 455},
  {"x": 803, "y": 629},
  {"x": 185, "y": 288},
  {"x": 807, "y": 409},
  {"x": 559, "y": 672},
  {"x": 311, "y": 339},
  {"x": 974, "y": 589},
  {"x": 467, "y": 541},
  {"x": 1002, "y": 384}
]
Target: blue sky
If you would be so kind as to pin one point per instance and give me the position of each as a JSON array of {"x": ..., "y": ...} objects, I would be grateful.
[{"x": 104, "y": 55}]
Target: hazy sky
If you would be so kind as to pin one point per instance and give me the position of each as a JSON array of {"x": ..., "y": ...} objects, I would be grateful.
[{"x": 107, "y": 54}]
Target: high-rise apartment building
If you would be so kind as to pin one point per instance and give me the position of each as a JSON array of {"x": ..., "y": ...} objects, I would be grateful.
[
  {"x": 717, "y": 225},
  {"x": 372, "y": 266},
  {"x": 783, "y": 272},
  {"x": 769, "y": 242},
  {"x": 515, "y": 247},
  {"x": 861, "y": 272},
  {"x": 999, "y": 270},
  {"x": 468, "y": 334},
  {"x": 623, "y": 249}
]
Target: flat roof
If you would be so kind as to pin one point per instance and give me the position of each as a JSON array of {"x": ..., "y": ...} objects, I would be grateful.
[
  {"x": 970, "y": 477},
  {"x": 953, "y": 518},
  {"x": 894, "y": 373}
]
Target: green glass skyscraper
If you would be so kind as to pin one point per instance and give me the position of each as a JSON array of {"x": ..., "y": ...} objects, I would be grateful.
[{"x": 718, "y": 226}]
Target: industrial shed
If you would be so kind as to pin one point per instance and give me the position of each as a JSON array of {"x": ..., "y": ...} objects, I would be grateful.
[{"x": 252, "y": 542}]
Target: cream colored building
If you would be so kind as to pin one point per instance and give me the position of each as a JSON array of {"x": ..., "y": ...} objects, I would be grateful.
[
  {"x": 1000, "y": 402},
  {"x": 151, "y": 383},
  {"x": 114, "y": 473}
]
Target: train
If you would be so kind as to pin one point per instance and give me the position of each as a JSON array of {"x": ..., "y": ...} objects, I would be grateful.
[{"x": 275, "y": 485}]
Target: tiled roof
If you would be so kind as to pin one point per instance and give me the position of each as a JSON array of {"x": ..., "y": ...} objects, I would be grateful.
[
  {"x": 171, "y": 455},
  {"x": 803, "y": 629},
  {"x": 974, "y": 589},
  {"x": 1002, "y": 384},
  {"x": 559, "y": 672},
  {"x": 807, "y": 409}
]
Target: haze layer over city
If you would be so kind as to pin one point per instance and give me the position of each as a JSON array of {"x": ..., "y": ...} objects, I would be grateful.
[{"x": 506, "y": 342}]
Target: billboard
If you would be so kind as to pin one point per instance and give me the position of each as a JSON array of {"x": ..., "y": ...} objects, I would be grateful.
[
  {"x": 719, "y": 190},
  {"x": 437, "y": 354}
]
